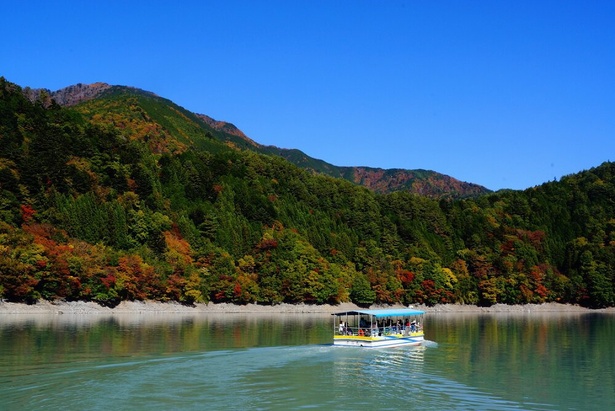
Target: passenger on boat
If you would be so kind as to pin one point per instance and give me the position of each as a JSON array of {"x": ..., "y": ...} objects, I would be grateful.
[{"x": 342, "y": 327}]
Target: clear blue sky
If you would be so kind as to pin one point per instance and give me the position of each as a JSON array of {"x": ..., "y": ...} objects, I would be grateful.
[{"x": 506, "y": 94}]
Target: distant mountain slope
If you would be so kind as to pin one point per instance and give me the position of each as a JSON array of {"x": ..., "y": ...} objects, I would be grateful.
[
  {"x": 424, "y": 182},
  {"x": 227, "y": 128},
  {"x": 161, "y": 121}
]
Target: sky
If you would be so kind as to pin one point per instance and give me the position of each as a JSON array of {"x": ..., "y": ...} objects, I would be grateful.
[{"x": 502, "y": 93}]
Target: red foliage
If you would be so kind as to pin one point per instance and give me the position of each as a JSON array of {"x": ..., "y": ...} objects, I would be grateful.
[
  {"x": 429, "y": 287},
  {"x": 108, "y": 281},
  {"x": 237, "y": 290},
  {"x": 533, "y": 237},
  {"x": 406, "y": 277},
  {"x": 268, "y": 244},
  {"x": 429, "y": 294},
  {"x": 507, "y": 247},
  {"x": 27, "y": 213},
  {"x": 542, "y": 291},
  {"x": 537, "y": 273}
]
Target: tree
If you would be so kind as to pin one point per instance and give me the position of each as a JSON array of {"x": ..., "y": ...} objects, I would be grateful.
[{"x": 361, "y": 292}]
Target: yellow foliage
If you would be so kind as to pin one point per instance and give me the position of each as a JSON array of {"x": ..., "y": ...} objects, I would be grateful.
[
  {"x": 417, "y": 261},
  {"x": 451, "y": 278}
]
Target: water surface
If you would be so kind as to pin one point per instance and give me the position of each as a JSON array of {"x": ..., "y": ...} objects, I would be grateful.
[{"x": 276, "y": 362}]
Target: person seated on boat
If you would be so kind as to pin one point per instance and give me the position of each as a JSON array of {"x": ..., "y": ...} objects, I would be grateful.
[
  {"x": 413, "y": 327},
  {"x": 342, "y": 327}
]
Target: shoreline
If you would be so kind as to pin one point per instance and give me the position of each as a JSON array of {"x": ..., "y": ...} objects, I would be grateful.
[{"x": 155, "y": 307}]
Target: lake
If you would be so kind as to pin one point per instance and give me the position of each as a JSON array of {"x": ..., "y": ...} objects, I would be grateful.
[{"x": 513, "y": 361}]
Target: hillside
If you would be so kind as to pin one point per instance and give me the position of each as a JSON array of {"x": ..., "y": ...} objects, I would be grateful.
[
  {"x": 129, "y": 197},
  {"x": 93, "y": 99}
]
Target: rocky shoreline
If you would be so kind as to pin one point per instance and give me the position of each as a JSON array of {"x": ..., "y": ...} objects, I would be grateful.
[{"x": 145, "y": 307}]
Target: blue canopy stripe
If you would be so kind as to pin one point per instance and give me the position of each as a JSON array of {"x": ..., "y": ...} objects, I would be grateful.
[{"x": 393, "y": 312}]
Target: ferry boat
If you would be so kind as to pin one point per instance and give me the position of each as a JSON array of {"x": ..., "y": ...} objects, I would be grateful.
[{"x": 378, "y": 328}]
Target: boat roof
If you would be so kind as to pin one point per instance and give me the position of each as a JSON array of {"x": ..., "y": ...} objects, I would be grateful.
[{"x": 387, "y": 312}]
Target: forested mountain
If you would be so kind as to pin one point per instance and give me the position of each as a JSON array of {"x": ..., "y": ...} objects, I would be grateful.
[
  {"x": 118, "y": 199},
  {"x": 163, "y": 112}
]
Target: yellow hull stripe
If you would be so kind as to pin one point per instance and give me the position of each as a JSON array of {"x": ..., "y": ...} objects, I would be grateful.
[{"x": 363, "y": 338}]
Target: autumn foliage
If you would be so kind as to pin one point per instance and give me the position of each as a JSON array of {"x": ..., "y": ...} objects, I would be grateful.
[{"x": 130, "y": 197}]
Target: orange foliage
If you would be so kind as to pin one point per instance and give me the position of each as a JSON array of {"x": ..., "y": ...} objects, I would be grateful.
[
  {"x": 136, "y": 279},
  {"x": 179, "y": 251}
]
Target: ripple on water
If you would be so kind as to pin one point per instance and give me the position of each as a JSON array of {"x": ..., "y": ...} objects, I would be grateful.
[{"x": 322, "y": 377}]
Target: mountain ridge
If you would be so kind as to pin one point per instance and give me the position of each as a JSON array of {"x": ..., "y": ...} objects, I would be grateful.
[{"x": 424, "y": 182}]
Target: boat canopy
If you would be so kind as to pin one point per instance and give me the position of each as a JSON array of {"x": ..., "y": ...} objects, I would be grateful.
[{"x": 392, "y": 312}]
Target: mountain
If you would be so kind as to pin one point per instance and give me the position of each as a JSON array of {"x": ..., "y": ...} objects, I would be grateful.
[
  {"x": 127, "y": 196},
  {"x": 423, "y": 182}
]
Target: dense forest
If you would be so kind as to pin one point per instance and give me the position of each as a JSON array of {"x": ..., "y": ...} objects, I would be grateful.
[{"x": 121, "y": 198}]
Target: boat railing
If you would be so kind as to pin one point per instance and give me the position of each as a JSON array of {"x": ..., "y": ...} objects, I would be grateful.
[
  {"x": 375, "y": 331},
  {"x": 358, "y": 331},
  {"x": 404, "y": 329}
]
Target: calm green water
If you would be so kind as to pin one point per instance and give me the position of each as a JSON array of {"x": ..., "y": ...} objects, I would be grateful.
[{"x": 472, "y": 362}]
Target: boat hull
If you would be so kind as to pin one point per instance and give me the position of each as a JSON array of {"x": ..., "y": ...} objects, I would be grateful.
[{"x": 377, "y": 342}]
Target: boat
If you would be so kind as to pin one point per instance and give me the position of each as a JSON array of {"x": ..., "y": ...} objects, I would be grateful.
[{"x": 378, "y": 328}]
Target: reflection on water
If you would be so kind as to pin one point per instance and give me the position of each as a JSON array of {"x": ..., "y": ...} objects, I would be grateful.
[
  {"x": 44, "y": 339},
  {"x": 554, "y": 358},
  {"x": 495, "y": 362}
]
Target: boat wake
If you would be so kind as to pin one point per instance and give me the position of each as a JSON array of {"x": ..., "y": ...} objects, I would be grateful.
[{"x": 430, "y": 344}]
